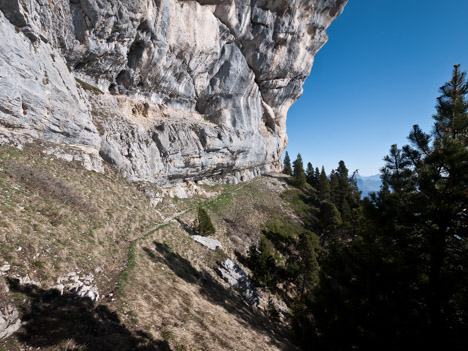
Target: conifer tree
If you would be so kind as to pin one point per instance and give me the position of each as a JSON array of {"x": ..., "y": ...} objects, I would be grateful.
[
  {"x": 299, "y": 175},
  {"x": 310, "y": 174},
  {"x": 451, "y": 120},
  {"x": 204, "y": 226},
  {"x": 317, "y": 176},
  {"x": 346, "y": 214},
  {"x": 309, "y": 249},
  {"x": 335, "y": 191},
  {"x": 330, "y": 217},
  {"x": 344, "y": 189},
  {"x": 354, "y": 198},
  {"x": 397, "y": 172},
  {"x": 439, "y": 201},
  {"x": 287, "y": 164},
  {"x": 342, "y": 172},
  {"x": 324, "y": 186},
  {"x": 404, "y": 278}
]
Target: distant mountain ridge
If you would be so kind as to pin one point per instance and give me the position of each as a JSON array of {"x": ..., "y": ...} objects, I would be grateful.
[{"x": 368, "y": 184}]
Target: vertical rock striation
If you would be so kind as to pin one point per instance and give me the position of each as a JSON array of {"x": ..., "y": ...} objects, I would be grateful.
[{"x": 165, "y": 90}]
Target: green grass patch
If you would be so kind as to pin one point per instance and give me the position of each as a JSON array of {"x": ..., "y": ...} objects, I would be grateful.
[
  {"x": 301, "y": 202},
  {"x": 220, "y": 203},
  {"x": 131, "y": 264},
  {"x": 89, "y": 87}
]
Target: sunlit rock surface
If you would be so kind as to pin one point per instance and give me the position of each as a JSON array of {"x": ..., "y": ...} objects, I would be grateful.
[{"x": 190, "y": 89}]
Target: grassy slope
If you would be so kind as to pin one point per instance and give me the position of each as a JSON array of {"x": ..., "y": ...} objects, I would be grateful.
[{"x": 160, "y": 289}]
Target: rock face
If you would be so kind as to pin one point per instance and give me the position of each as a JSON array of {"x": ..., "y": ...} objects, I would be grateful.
[
  {"x": 237, "y": 278},
  {"x": 9, "y": 317},
  {"x": 166, "y": 90}
]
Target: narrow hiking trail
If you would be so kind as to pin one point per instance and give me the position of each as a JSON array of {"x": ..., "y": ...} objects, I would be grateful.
[{"x": 129, "y": 265}]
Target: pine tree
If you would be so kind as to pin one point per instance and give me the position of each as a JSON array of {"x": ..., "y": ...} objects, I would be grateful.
[
  {"x": 310, "y": 174},
  {"x": 354, "y": 197},
  {"x": 402, "y": 283},
  {"x": 309, "y": 249},
  {"x": 429, "y": 179},
  {"x": 439, "y": 200},
  {"x": 330, "y": 217},
  {"x": 342, "y": 172},
  {"x": 397, "y": 172},
  {"x": 324, "y": 186},
  {"x": 287, "y": 164},
  {"x": 335, "y": 192},
  {"x": 317, "y": 176},
  {"x": 346, "y": 214},
  {"x": 344, "y": 189},
  {"x": 451, "y": 118},
  {"x": 204, "y": 226},
  {"x": 299, "y": 175}
]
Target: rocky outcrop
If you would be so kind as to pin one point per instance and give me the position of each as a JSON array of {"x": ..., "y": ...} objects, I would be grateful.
[
  {"x": 9, "y": 316},
  {"x": 235, "y": 276},
  {"x": 82, "y": 287},
  {"x": 165, "y": 90},
  {"x": 210, "y": 243}
]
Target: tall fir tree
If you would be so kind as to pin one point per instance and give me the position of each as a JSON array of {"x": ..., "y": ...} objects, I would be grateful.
[
  {"x": 309, "y": 250},
  {"x": 346, "y": 215},
  {"x": 335, "y": 193},
  {"x": 317, "y": 176},
  {"x": 299, "y": 175},
  {"x": 344, "y": 189},
  {"x": 310, "y": 174},
  {"x": 204, "y": 226},
  {"x": 324, "y": 186},
  {"x": 287, "y": 164},
  {"x": 439, "y": 201}
]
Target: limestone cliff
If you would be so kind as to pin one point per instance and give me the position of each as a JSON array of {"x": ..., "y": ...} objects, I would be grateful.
[{"x": 165, "y": 90}]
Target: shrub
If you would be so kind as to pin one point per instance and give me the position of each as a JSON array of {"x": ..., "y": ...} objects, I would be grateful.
[{"x": 272, "y": 310}]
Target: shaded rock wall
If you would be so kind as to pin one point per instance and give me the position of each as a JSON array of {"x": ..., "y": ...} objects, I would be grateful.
[{"x": 191, "y": 89}]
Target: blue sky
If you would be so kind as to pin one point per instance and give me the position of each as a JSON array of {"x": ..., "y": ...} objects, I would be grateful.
[{"x": 378, "y": 75}]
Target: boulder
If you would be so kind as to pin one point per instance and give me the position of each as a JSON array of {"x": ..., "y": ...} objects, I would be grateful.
[
  {"x": 237, "y": 278},
  {"x": 212, "y": 244}
]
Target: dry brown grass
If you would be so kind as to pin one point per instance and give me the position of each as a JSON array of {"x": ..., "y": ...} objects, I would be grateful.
[
  {"x": 176, "y": 290},
  {"x": 66, "y": 219},
  {"x": 180, "y": 298}
]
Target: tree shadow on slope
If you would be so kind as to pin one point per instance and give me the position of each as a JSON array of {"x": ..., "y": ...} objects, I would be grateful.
[
  {"x": 217, "y": 294},
  {"x": 50, "y": 319},
  {"x": 185, "y": 226}
]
